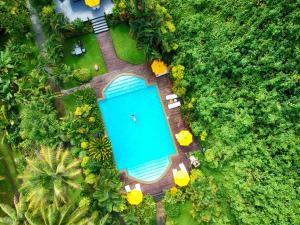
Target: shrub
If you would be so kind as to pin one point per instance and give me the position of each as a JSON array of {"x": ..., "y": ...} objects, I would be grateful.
[
  {"x": 82, "y": 75},
  {"x": 100, "y": 149},
  {"x": 39, "y": 124},
  {"x": 172, "y": 200},
  {"x": 143, "y": 213}
]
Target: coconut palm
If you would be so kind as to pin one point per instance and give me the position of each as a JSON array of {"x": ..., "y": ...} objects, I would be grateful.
[
  {"x": 16, "y": 215},
  {"x": 66, "y": 215},
  {"x": 49, "y": 178}
]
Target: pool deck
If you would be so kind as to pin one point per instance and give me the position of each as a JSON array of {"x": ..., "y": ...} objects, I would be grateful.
[{"x": 116, "y": 67}]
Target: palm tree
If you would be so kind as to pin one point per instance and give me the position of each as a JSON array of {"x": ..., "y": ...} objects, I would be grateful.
[
  {"x": 48, "y": 215},
  {"x": 16, "y": 215},
  {"x": 48, "y": 178},
  {"x": 66, "y": 215}
]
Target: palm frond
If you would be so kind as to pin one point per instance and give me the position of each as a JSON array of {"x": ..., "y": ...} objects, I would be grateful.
[{"x": 8, "y": 211}]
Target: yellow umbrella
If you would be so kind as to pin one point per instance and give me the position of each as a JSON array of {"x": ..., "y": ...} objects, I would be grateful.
[
  {"x": 135, "y": 197},
  {"x": 181, "y": 178},
  {"x": 158, "y": 67},
  {"x": 184, "y": 137},
  {"x": 92, "y": 3}
]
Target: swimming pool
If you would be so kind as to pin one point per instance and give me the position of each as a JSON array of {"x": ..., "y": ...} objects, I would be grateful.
[{"x": 142, "y": 147}]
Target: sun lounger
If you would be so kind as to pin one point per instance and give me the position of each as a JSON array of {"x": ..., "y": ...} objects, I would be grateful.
[
  {"x": 138, "y": 187},
  {"x": 171, "y": 97},
  {"x": 194, "y": 161},
  {"x": 127, "y": 188},
  {"x": 174, "y": 105},
  {"x": 182, "y": 167},
  {"x": 174, "y": 171}
]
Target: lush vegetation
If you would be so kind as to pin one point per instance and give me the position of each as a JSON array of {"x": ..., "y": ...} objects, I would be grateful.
[
  {"x": 236, "y": 66},
  {"x": 64, "y": 162},
  {"x": 125, "y": 46},
  {"x": 88, "y": 60}
]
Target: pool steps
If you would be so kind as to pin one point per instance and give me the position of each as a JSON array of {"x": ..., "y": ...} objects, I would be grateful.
[
  {"x": 124, "y": 85},
  {"x": 149, "y": 171}
]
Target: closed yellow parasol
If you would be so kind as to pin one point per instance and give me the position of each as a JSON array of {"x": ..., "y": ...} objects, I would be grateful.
[
  {"x": 184, "y": 137},
  {"x": 181, "y": 178},
  {"x": 135, "y": 197},
  {"x": 159, "y": 67},
  {"x": 92, "y": 3}
]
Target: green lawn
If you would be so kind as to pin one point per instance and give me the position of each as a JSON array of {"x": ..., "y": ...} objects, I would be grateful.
[
  {"x": 185, "y": 217},
  {"x": 70, "y": 103},
  {"x": 88, "y": 60},
  {"x": 125, "y": 46}
]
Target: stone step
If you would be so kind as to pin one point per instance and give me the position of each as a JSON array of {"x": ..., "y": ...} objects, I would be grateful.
[{"x": 99, "y": 25}]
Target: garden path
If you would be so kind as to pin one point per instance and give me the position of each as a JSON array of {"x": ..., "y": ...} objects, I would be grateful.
[{"x": 110, "y": 57}]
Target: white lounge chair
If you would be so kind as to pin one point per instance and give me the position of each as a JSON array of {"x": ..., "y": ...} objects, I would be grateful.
[
  {"x": 138, "y": 187},
  {"x": 174, "y": 105},
  {"x": 174, "y": 171},
  {"x": 127, "y": 188},
  {"x": 171, "y": 97},
  {"x": 194, "y": 161},
  {"x": 182, "y": 167}
]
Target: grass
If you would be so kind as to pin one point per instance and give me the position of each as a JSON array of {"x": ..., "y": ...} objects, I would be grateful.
[
  {"x": 185, "y": 217},
  {"x": 7, "y": 171},
  {"x": 125, "y": 46},
  {"x": 70, "y": 103},
  {"x": 88, "y": 60}
]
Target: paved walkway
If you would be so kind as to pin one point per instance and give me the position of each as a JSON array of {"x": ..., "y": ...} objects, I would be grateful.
[
  {"x": 116, "y": 67},
  {"x": 112, "y": 62}
]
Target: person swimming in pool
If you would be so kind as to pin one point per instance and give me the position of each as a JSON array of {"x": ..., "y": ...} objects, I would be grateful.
[{"x": 133, "y": 118}]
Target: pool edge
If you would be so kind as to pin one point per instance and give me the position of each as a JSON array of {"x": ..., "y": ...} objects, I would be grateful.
[{"x": 166, "y": 117}]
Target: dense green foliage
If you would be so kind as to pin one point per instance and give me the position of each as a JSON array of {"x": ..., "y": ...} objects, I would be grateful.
[
  {"x": 142, "y": 214},
  {"x": 48, "y": 178},
  {"x": 242, "y": 66},
  {"x": 240, "y": 86},
  {"x": 150, "y": 25}
]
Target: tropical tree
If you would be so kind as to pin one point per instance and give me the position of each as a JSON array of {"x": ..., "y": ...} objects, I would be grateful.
[
  {"x": 68, "y": 214},
  {"x": 108, "y": 194},
  {"x": 48, "y": 178},
  {"x": 65, "y": 215},
  {"x": 14, "y": 215},
  {"x": 39, "y": 124}
]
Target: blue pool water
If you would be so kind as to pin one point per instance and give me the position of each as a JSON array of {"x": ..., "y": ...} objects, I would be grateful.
[{"x": 142, "y": 147}]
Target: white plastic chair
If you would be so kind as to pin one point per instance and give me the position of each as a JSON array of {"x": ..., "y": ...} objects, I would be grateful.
[
  {"x": 182, "y": 167},
  {"x": 194, "y": 161},
  {"x": 138, "y": 187},
  {"x": 171, "y": 97},
  {"x": 174, "y": 171},
  {"x": 127, "y": 188},
  {"x": 174, "y": 105}
]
